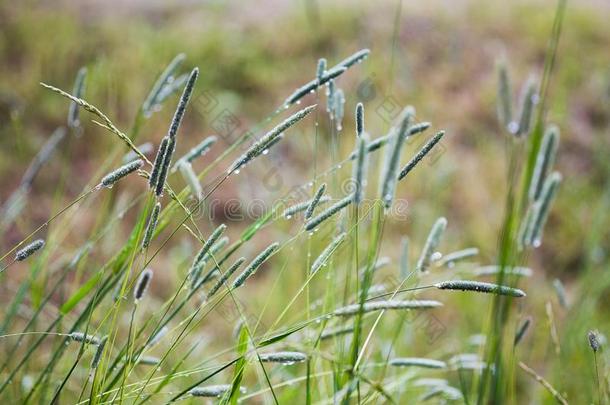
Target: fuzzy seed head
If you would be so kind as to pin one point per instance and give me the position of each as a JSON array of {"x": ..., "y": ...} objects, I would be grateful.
[
  {"x": 118, "y": 174},
  {"x": 479, "y": 286},
  {"x": 29, "y": 250},
  {"x": 142, "y": 285}
]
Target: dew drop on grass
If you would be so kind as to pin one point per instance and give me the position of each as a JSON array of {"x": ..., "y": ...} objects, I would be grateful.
[
  {"x": 288, "y": 216},
  {"x": 312, "y": 91},
  {"x": 266, "y": 151},
  {"x": 298, "y": 102}
]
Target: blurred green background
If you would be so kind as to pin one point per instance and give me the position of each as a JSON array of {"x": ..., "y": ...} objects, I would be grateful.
[{"x": 438, "y": 56}]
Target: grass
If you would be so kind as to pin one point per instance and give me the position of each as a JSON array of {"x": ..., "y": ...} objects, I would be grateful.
[{"x": 317, "y": 315}]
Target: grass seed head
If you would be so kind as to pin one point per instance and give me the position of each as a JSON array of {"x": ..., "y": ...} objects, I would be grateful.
[
  {"x": 118, "y": 174},
  {"x": 29, "y": 250}
]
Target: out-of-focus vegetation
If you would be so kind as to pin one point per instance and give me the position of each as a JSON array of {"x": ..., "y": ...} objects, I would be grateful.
[{"x": 439, "y": 57}]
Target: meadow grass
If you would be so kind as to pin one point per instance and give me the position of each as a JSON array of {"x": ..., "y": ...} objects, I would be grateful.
[{"x": 315, "y": 316}]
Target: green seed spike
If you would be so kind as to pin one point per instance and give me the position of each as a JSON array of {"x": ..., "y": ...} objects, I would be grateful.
[
  {"x": 152, "y": 224},
  {"x": 359, "y": 119},
  {"x": 189, "y": 175},
  {"x": 164, "y": 170},
  {"x": 78, "y": 92},
  {"x": 434, "y": 238},
  {"x": 255, "y": 264},
  {"x": 479, "y": 286},
  {"x": 315, "y": 201},
  {"x": 197, "y": 151},
  {"x": 153, "y": 98},
  {"x": 326, "y": 253},
  {"x": 29, "y": 250},
  {"x": 142, "y": 284},
  {"x": 543, "y": 207},
  {"x": 98, "y": 353},
  {"x": 302, "y": 206},
  {"x": 417, "y": 362},
  {"x": 544, "y": 161},
  {"x": 184, "y": 99},
  {"x": 225, "y": 277},
  {"x": 505, "y": 97},
  {"x": 321, "y": 70},
  {"x": 216, "y": 234},
  {"x": 421, "y": 154},
  {"x": 339, "y": 108},
  {"x": 392, "y": 160},
  {"x": 360, "y": 167},
  {"x": 354, "y": 309},
  {"x": 263, "y": 143},
  {"x": 154, "y": 175},
  {"x": 116, "y": 175},
  {"x": 329, "y": 212},
  {"x": 528, "y": 103}
]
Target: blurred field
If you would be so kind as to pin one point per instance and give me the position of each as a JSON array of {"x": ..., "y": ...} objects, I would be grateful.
[{"x": 438, "y": 56}]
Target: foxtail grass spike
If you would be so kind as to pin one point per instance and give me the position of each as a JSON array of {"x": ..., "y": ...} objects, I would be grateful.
[
  {"x": 197, "y": 151},
  {"x": 189, "y": 175},
  {"x": 478, "y": 286},
  {"x": 544, "y": 161},
  {"x": 263, "y": 143},
  {"x": 359, "y": 119},
  {"x": 184, "y": 99},
  {"x": 450, "y": 258},
  {"x": 505, "y": 97},
  {"x": 417, "y": 362},
  {"x": 376, "y": 144},
  {"x": 212, "y": 391},
  {"x": 164, "y": 169},
  {"x": 339, "y": 109},
  {"x": 81, "y": 337},
  {"x": 330, "y": 98},
  {"x": 526, "y": 228},
  {"x": 172, "y": 87},
  {"x": 78, "y": 92},
  {"x": 326, "y": 253},
  {"x": 315, "y": 201},
  {"x": 421, "y": 154},
  {"x": 142, "y": 284},
  {"x": 528, "y": 103},
  {"x": 285, "y": 358},
  {"x": 158, "y": 336},
  {"x": 98, "y": 353},
  {"x": 118, "y": 174},
  {"x": 360, "y": 168},
  {"x": 29, "y": 250},
  {"x": 593, "y": 341},
  {"x": 300, "y": 207},
  {"x": 152, "y": 224},
  {"x": 225, "y": 277},
  {"x": 153, "y": 98},
  {"x": 386, "y": 305},
  {"x": 355, "y": 58},
  {"x": 255, "y": 264},
  {"x": 329, "y": 212},
  {"x": 147, "y": 361},
  {"x": 199, "y": 261},
  {"x": 390, "y": 168},
  {"x": 432, "y": 242},
  {"x": 543, "y": 207},
  {"x": 154, "y": 174},
  {"x": 311, "y": 86},
  {"x": 522, "y": 330},
  {"x": 321, "y": 70}
]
